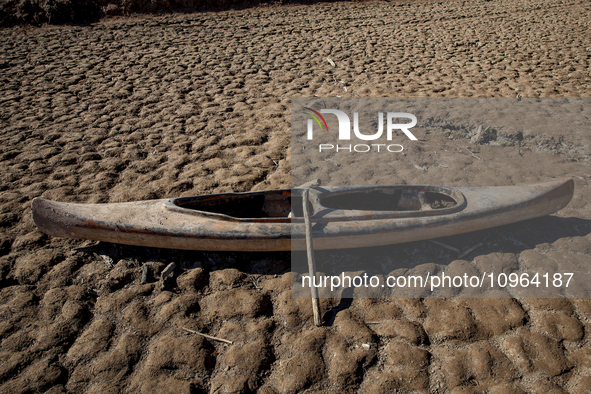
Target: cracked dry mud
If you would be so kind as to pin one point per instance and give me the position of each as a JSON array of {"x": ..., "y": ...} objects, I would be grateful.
[{"x": 161, "y": 106}]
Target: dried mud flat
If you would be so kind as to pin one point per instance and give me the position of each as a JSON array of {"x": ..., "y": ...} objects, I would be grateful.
[{"x": 153, "y": 107}]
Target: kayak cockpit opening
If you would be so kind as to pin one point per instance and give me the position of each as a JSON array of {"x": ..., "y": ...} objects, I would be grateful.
[
  {"x": 390, "y": 199},
  {"x": 276, "y": 204}
]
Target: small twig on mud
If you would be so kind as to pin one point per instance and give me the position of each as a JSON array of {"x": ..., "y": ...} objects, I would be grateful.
[
  {"x": 208, "y": 336},
  {"x": 233, "y": 137},
  {"x": 277, "y": 164},
  {"x": 377, "y": 322},
  {"x": 168, "y": 271},
  {"x": 145, "y": 270},
  {"x": 331, "y": 62},
  {"x": 472, "y": 153},
  {"x": 440, "y": 165},
  {"x": 470, "y": 250},
  {"x": 445, "y": 246},
  {"x": 107, "y": 260}
]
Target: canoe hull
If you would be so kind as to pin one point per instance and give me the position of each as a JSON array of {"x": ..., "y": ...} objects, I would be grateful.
[{"x": 154, "y": 224}]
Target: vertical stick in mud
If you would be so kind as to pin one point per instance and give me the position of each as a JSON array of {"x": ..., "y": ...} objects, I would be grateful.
[{"x": 311, "y": 262}]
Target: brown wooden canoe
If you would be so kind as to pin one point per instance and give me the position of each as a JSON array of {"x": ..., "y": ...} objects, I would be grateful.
[{"x": 343, "y": 217}]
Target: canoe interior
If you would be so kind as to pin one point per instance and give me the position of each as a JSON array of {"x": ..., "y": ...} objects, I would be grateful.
[
  {"x": 275, "y": 204},
  {"x": 392, "y": 199},
  {"x": 285, "y": 204}
]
